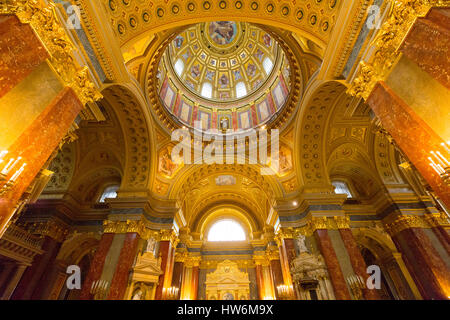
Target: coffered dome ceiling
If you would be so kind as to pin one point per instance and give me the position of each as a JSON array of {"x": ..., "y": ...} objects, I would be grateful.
[{"x": 224, "y": 74}]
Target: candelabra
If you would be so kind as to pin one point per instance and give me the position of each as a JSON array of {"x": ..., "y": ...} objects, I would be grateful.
[
  {"x": 5, "y": 183},
  {"x": 356, "y": 284},
  {"x": 285, "y": 292},
  {"x": 171, "y": 293},
  {"x": 440, "y": 164},
  {"x": 99, "y": 289}
]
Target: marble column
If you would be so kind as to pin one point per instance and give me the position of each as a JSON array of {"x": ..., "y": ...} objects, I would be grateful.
[
  {"x": 21, "y": 52},
  {"x": 121, "y": 274},
  {"x": 423, "y": 261},
  {"x": 341, "y": 291},
  {"x": 357, "y": 261},
  {"x": 414, "y": 137},
  {"x": 260, "y": 281},
  {"x": 177, "y": 278},
  {"x": 37, "y": 143},
  {"x": 18, "y": 273},
  {"x": 427, "y": 44},
  {"x": 277, "y": 275},
  {"x": 96, "y": 268},
  {"x": 34, "y": 278},
  {"x": 194, "y": 283},
  {"x": 165, "y": 249},
  {"x": 287, "y": 254}
]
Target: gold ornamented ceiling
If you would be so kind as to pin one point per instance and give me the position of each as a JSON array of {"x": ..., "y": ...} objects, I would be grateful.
[
  {"x": 224, "y": 72},
  {"x": 223, "y": 54}
]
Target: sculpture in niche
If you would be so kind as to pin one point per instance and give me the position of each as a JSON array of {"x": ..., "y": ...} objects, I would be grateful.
[
  {"x": 224, "y": 124},
  {"x": 301, "y": 243},
  {"x": 151, "y": 244}
]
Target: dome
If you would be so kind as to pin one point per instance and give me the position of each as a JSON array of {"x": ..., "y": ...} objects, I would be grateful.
[{"x": 224, "y": 74}]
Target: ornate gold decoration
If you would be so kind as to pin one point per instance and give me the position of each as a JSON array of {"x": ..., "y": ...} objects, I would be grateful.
[
  {"x": 129, "y": 226},
  {"x": 406, "y": 222},
  {"x": 51, "y": 228},
  {"x": 169, "y": 235},
  {"x": 43, "y": 20},
  {"x": 437, "y": 220},
  {"x": 387, "y": 43}
]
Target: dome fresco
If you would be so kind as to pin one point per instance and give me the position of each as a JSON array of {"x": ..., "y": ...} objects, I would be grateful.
[{"x": 224, "y": 72}]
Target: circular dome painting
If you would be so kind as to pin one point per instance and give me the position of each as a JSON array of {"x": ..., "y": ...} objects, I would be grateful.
[
  {"x": 222, "y": 32},
  {"x": 224, "y": 74}
]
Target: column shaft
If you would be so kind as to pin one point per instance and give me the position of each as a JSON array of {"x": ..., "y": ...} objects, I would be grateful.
[
  {"x": 426, "y": 266},
  {"x": 409, "y": 131},
  {"x": 337, "y": 278},
  {"x": 33, "y": 279},
  {"x": 121, "y": 274},
  {"x": 21, "y": 52},
  {"x": 13, "y": 282},
  {"x": 96, "y": 268},
  {"x": 36, "y": 144},
  {"x": 357, "y": 261}
]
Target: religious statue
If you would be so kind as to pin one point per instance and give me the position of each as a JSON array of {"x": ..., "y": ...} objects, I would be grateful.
[
  {"x": 224, "y": 124},
  {"x": 301, "y": 244},
  {"x": 151, "y": 244}
]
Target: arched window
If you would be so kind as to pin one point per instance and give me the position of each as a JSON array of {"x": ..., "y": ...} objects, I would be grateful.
[
  {"x": 268, "y": 65},
  {"x": 341, "y": 187},
  {"x": 179, "y": 67},
  {"x": 226, "y": 230},
  {"x": 109, "y": 192},
  {"x": 241, "y": 90},
  {"x": 207, "y": 90}
]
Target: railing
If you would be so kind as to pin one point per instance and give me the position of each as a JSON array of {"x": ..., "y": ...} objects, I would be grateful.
[{"x": 15, "y": 233}]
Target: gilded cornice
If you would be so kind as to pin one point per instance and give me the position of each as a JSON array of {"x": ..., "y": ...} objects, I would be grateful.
[
  {"x": 413, "y": 221},
  {"x": 387, "y": 42},
  {"x": 327, "y": 223},
  {"x": 129, "y": 226},
  {"x": 42, "y": 18},
  {"x": 405, "y": 222}
]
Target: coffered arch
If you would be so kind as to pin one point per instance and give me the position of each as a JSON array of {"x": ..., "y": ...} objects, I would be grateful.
[
  {"x": 312, "y": 19},
  {"x": 134, "y": 119},
  {"x": 312, "y": 120}
]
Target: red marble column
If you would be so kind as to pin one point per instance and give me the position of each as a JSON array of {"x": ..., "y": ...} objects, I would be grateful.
[
  {"x": 277, "y": 274},
  {"x": 164, "y": 251},
  {"x": 337, "y": 278},
  {"x": 21, "y": 52},
  {"x": 36, "y": 144},
  {"x": 194, "y": 284},
  {"x": 33, "y": 279},
  {"x": 96, "y": 268},
  {"x": 259, "y": 281},
  {"x": 177, "y": 278},
  {"x": 443, "y": 237},
  {"x": 411, "y": 133},
  {"x": 426, "y": 266},
  {"x": 287, "y": 254},
  {"x": 427, "y": 44},
  {"x": 124, "y": 265},
  {"x": 357, "y": 261}
]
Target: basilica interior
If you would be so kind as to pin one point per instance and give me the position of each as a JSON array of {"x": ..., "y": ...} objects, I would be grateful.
[{"x": 351, "y": 201}]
